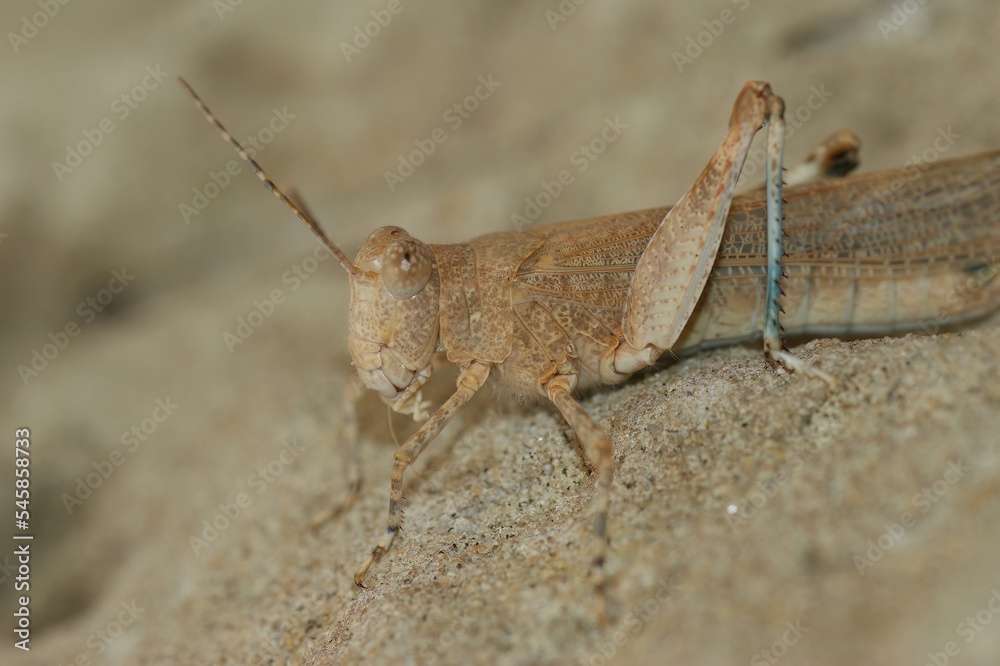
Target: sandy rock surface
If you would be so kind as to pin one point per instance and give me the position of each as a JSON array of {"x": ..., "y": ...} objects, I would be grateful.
[{"x": 756, "y": 516}]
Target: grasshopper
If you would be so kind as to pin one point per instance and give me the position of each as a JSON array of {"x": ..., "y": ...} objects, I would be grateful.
[{"x": 562, "y": 307}]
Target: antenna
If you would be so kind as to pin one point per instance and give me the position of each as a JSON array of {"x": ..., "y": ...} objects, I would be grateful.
[{"x": 269, "y": 184}]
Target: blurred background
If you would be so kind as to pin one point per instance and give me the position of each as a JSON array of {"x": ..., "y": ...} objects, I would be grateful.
[{"x": 128, "y": 252}]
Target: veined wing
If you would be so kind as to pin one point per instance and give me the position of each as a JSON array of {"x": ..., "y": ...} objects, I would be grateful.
[
  {"x": 890, "y": 224},
  {"x": 590, "y": 260}
]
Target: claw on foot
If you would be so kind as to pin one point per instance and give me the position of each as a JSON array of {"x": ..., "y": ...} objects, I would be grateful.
[
  {"x": 376, "y": 555},
  {"x": 359, "y": 575},
  {"x": 796, "y": 364}
]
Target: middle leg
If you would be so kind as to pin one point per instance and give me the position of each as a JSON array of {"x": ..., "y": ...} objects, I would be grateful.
[{"x": 597, "y": 449}]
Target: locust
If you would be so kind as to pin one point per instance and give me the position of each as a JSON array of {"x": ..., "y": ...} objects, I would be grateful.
[{"x": 558, "y": 308}]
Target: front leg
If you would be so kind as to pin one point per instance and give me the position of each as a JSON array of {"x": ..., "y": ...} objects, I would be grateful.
[
  {"x": 469, "y": 381},
  {"x": 597, "y": 449}
]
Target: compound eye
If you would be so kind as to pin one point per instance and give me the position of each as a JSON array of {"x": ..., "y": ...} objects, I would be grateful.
[
  {"x": 390, "y": 230},
  {"x": 406, "y": 268}
]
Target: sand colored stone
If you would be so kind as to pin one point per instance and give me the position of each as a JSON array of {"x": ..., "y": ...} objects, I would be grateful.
[{"x": 492, "y": 566}]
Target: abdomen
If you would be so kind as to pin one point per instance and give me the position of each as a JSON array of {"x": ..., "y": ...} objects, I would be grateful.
[
  {"x": 871, "y": 254},
  {"x": 876, "y": 254}
]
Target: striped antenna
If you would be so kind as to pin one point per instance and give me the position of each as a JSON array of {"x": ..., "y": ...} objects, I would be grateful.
[{"x": 269, "y": 184}]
